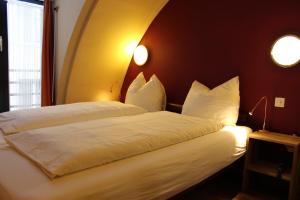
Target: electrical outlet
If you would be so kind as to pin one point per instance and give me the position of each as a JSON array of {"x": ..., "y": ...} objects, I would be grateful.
[{"x": 279, "y": 102}]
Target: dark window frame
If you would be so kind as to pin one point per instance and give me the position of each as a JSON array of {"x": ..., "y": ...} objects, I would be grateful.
[
  {"x": 34, "y": 1},
  {"x": 4, "y": 85},
  {"x": 4, "y": 68}
]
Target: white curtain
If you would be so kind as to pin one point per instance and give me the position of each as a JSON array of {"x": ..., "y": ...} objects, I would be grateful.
[{"x": 25, "y": 26}]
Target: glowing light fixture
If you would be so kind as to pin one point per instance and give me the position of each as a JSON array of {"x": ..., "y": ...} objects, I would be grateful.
[
  {"x": 286, "y": 51},
  {"x": 239, "y": 133},
  {"x": 140, "y": 55},
  {"x": 254, "y": 108}
]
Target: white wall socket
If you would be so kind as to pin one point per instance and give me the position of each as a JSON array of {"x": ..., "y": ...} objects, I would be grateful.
[{"x": 279, "y": 102}]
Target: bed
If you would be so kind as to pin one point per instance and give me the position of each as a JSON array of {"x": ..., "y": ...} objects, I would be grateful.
[
  {"x": 146, "y": 155},
  {"x": 158, "y": 174}
]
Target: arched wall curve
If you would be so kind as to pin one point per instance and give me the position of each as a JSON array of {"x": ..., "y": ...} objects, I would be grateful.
[{"x": 101, "y": 48}]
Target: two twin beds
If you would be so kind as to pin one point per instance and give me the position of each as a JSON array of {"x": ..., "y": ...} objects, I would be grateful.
[{"x": 159, "y": 171}]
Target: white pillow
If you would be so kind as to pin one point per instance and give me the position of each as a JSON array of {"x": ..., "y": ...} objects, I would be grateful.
[
  {"x": 221, "y": 103},
  {"x": 150, "y": 96}
]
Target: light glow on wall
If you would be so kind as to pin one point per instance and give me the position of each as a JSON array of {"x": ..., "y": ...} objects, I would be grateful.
[
  {"x": 104, "y": 96},
  {"x": 286, "y": 51},
  {"x": 104, "y": 45},
  {"x": 129, "y": 49},
  {"x": 140, "y": 55}
]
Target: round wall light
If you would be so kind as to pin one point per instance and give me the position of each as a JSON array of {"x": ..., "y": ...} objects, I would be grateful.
[
  {"x": 140, "y": 55},
  {"x": 286, "y": 51}
]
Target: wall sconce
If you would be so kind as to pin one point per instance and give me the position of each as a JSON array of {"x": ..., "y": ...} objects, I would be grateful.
[
  {"x": 256, "y": 105},
  {"x": 140, "y": 55},
  {"x": 286, "y": 51}
]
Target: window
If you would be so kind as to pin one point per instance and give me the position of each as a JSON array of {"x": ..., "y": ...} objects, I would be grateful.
[{"x": 25, "y": 27}]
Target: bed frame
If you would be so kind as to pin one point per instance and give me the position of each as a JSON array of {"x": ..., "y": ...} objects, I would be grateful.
[{"x": 235, "y": 169}]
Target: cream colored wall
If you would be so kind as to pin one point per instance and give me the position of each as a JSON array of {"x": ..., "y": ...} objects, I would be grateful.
[
  {"x": 66, "y": 17},
  {"x": 101, "y": 48}
]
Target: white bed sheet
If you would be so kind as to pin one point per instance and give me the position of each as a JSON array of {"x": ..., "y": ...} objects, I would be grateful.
[
  {"x": 21, "y": 120},
  {"x": 155, "y": 175}
]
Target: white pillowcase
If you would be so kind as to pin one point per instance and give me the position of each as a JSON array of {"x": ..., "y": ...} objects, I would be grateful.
[
  {"x": 149, "y": 95},
  {"x": 221, "y": 103}
]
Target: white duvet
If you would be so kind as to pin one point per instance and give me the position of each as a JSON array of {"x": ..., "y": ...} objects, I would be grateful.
[
  {"x": 73, "y": 147},
  {"x": 22, "y": 120}
]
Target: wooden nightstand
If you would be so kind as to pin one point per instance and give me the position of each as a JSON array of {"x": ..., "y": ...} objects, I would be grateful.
[{"x": 255, "y": 163}]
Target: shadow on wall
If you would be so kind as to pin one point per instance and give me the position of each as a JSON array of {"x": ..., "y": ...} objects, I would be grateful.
[{"x": 212, "y": 41}]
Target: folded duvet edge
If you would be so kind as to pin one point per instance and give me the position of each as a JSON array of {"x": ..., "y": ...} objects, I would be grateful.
[{"x": 34, "y": 161}]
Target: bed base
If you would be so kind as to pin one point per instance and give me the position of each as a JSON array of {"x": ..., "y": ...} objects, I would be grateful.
[{"x": 236, "y": 168}]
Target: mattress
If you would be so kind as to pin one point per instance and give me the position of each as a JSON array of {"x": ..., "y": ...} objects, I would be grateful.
[{"x": 159, "y": 174}]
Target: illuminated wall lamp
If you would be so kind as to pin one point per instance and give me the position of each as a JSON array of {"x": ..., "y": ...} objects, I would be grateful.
[
  {"x": 140, "y": 55},
  {"x": 286, "y": 51},
  {"x": 265, "y": 115}
]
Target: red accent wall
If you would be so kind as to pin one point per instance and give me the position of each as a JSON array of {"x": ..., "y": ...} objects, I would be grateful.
[{"x": 213, "y": 41}]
